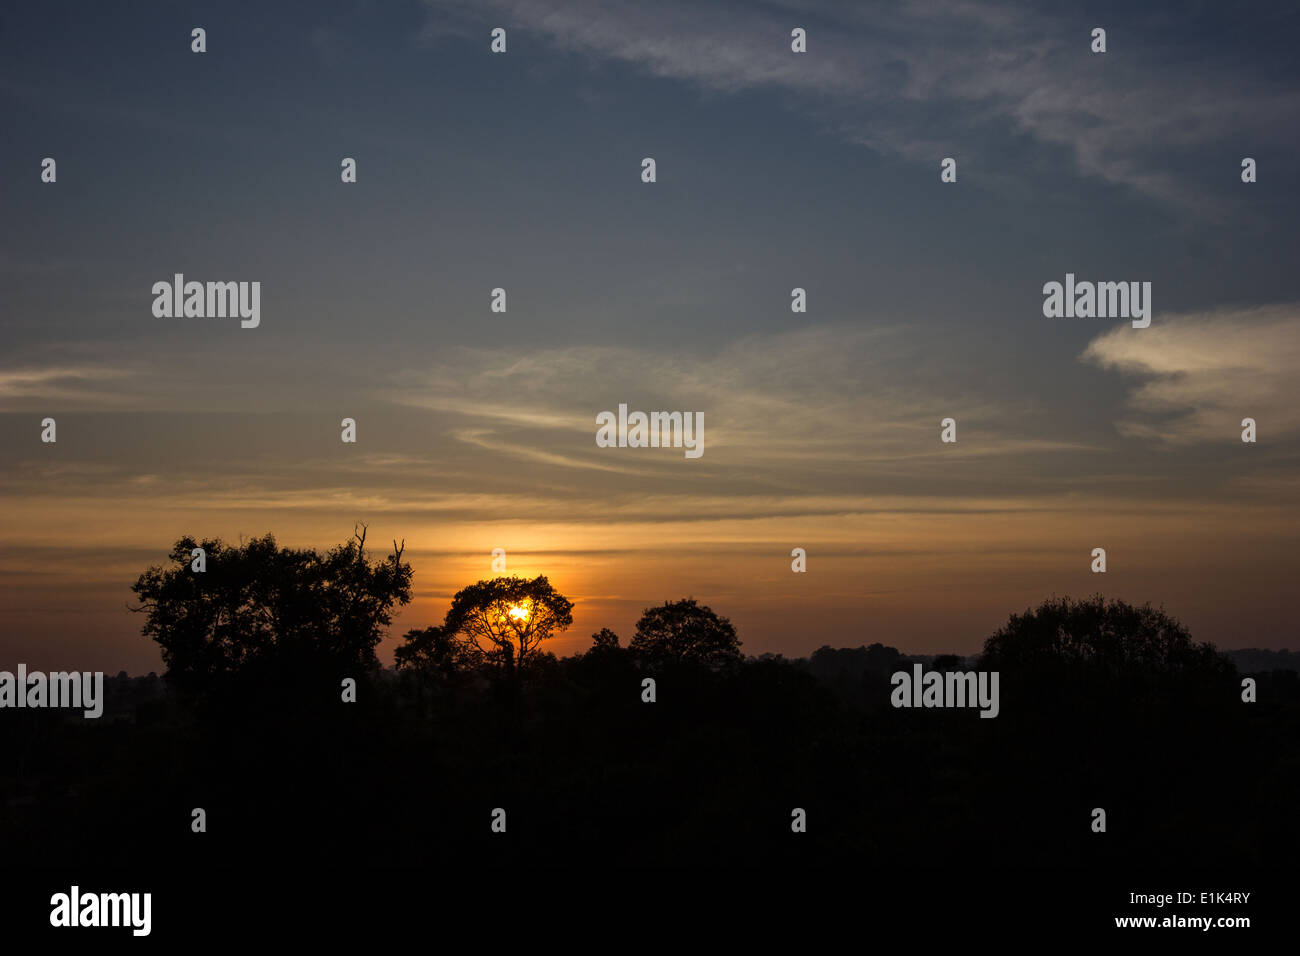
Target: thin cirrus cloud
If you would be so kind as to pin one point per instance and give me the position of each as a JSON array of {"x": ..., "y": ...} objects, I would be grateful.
[
  {"x": 1200, "y": 374},
  {"x": 60, "y": 382},
  {"x": 921, "y": 79},
  {"x": 833, "y": 397}
]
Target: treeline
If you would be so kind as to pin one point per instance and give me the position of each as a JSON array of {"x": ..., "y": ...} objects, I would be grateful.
[
  {"x": 1253, "y": 660},
  {"x": 671, "y": 747}
]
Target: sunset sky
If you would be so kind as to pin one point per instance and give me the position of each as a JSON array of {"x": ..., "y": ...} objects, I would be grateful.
[{"x": 775, "y": 170}]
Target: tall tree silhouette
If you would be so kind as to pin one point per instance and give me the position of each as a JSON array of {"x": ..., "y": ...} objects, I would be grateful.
[
  {"x": 506, "y": 619},
  {"x": 684, "y": 632},
  {"x": 259, "y": 606}
]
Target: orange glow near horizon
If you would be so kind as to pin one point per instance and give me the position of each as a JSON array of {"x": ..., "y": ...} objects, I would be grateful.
[{"x": 923, "y": 579}]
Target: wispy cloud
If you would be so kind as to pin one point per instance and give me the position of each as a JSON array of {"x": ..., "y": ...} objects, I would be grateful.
[
  {"x": 62, "y": 383},
  {"x": 1203, "y": 373},
  {"x": 923, "y": 79},
  {"x": 832, "y": 397}
]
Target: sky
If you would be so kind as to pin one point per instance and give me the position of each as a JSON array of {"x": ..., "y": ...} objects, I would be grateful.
[{"x": 775, "y": 170}]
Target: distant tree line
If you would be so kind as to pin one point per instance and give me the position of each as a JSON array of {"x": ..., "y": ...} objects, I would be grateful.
[
  {"x": 1103, "y": 704},
  {"x": 260, "y": 609}
]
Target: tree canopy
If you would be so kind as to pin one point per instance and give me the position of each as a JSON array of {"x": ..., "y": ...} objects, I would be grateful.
[
  {"x": 436, "y": 651},
  {"x": 604, "y": 641},
  {"x": 505, "y": 619},
  {"x": 258, "y": 604},
  {"x": 685, "y": 632},
  {"x": 1100, "y": 639}
]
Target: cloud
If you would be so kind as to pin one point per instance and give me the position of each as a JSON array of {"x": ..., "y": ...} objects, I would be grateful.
[
  {"x": 1204, "y": 372},
  {"x": 63, "y": 383},
  {"x": 927, "y": 79},
  {"x": 837, "y": 398},
  {"x": 173, "y": 375}
]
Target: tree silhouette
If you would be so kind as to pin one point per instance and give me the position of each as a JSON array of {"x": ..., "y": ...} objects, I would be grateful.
[
  {"x": 436, "y": 651},
  {"x": 1108, "y": 640},
  {"x": 1104, "y": 697},
  {"x": 604, "y": 641},
  {"x": 946, "y": 662},
  {"x": 505, "y": 619},
  {"x": 259, "y": 607},
  {"x": 684, "y": 632}
]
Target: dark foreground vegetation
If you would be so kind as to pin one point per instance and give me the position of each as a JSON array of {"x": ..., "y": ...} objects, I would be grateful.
[{"x": 1102, "y": 705}]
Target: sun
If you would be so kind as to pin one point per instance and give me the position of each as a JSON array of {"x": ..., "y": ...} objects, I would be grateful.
[{"x": 519, "y": 612}]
